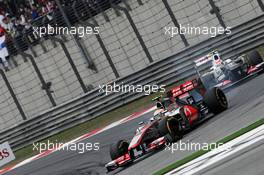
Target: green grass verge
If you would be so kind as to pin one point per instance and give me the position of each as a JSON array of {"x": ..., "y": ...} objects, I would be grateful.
[
  {"x": 101, "y": 121},
  {"x": 202, "y": 152}
]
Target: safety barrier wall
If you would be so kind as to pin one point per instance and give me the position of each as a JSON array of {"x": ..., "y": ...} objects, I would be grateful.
[{"x": 56, "y": 97}]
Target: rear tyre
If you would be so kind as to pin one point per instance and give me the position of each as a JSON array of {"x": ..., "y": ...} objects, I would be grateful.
[
  {"x": 254, "y": 58},
  {"x": 118, "y": 149},
  {"x": 168, "y": 138},
  {"x": 170, "y": 128},
  {"x": 216, "y": 100}
]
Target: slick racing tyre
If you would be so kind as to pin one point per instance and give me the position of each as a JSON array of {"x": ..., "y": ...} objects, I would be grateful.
[
  {"x": 168, "y": 138},
  {"x": 216, "y": 100},
  {"x": 118, "y": 149},
  {"x": 170, "y": 128},
  {"x": 254, "y": 58}
]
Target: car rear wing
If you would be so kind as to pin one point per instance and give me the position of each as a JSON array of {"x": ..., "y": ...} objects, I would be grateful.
[
  {"x": 208, "y": 58},
  {"x": 184, "y": 88},
  {"x": 202, "y": 61}
]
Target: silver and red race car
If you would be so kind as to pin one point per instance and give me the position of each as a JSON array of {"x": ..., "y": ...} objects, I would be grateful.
[
  {"x": 185, "y": 106},
  {"x": 213, "y": 71}
]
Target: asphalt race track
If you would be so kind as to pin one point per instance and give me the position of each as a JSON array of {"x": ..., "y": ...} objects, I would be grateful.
[
  {"x": 246, "y": 106},
  {"x": 248, "y": 163}
]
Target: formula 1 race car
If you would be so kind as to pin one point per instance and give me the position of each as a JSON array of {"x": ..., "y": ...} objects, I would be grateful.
[
  {"x": 185, "y": 106},
  {"x": 225, "y": 73}
]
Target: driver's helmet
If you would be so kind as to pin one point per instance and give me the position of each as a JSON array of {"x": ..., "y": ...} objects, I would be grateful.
[
  {"x": 159, "y": 105},
  {"x": 158, "y": 100},
  {"x": 217, "y": 61}
]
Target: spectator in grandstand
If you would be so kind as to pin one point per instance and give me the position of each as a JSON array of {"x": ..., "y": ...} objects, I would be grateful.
[
  {"x": 49, "y": 7},
  {"x": 4, "y": 55},
  {"x": 22, "y": 23},
  {"x": 6, "y": 5},
  {"x": 34, "y": 13},
  {"x": 5, "y": 21},
  {"x": 8, "y": 25},
  {"x": 2, "y": 16}
]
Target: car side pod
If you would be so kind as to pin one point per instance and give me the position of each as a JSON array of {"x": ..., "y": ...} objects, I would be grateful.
[
  {"x": 156, "y": 144},
  {"x": 123, "y": 160}
]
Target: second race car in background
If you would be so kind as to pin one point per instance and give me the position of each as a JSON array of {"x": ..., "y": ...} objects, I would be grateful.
[{"x": 213, "y": 71}]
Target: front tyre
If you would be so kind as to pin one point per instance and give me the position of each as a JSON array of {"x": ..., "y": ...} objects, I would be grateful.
[
  {"x": 216, "y": 100},
  {"x": 118, "y": 149},
  {"x": 170, "y": 128}
]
